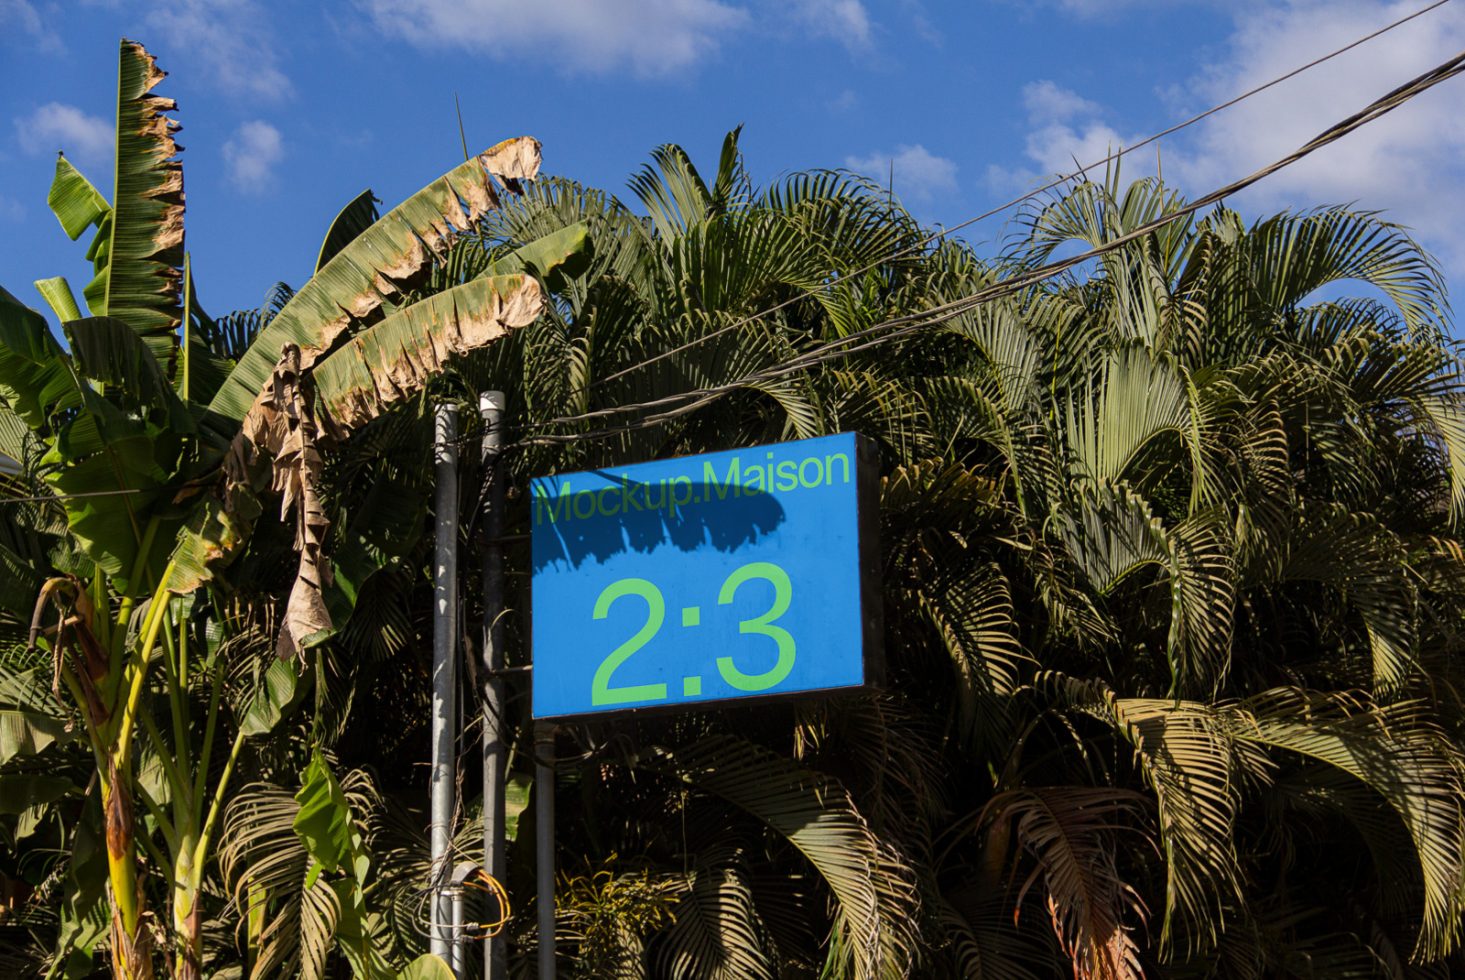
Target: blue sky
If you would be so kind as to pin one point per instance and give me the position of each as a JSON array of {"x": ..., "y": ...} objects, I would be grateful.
[{"x": 291, "y": 108}]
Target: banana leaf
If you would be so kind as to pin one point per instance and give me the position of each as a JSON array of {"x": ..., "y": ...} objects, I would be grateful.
[
  {"x": 379, "y": 263},
  {"x": 105, "y": 349},
  {"x": 392, "y": 360},
  {"x": 139, "y": 249},
  {"x": 75, "y": 202},
  {"x": 357, "y": 216},
  {"x": 35, "y": 379}
]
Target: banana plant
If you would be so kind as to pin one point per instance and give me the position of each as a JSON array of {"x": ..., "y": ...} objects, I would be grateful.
[{"x": 159, "y": 450}]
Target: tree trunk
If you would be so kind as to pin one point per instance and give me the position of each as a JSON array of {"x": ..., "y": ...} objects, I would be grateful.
[
  {"x": 132, "y": 948},
  {"x": 188, "y": 933},
  {"x": 187, "y": 917},
  {"x": 132, "y": 955}
]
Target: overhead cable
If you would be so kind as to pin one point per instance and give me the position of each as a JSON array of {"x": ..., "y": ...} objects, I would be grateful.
[
  {"x": 1030, "y": 195},
  {"x": 904, "y": 325},
  {"x": 897, "y": 327}
]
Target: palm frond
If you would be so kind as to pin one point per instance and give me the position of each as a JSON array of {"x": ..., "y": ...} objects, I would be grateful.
[
  {"x": 1400, "y": 753},
  {"x": 1070, "y": 833},
  {"x": 717, "y": 933},
  {"x": 874, "y": 894}
]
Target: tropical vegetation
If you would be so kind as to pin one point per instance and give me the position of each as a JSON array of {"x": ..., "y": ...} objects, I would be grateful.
[{"x": 1172, "y": 575}]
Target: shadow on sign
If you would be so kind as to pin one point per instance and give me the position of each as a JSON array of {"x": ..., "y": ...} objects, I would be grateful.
[{"x": 636, "y": 516}]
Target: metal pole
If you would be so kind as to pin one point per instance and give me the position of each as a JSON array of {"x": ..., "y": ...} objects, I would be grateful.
[
  {"x": 544, "y": 844},
  {"x": 459, "y": 941},
  {"x": 444, "y": 669},
  {"x": 459, "y": 960},
  {"x": 491, "y": 408}
]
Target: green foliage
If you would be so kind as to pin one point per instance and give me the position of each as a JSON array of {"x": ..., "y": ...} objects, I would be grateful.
[
  {"x": 426, "y": 967},
  {"x": 278, "y": 690},
  {"x": 323, "y": 823},
  {"x": 138, "y": 250},
  {"x": 1172, "y": 576},
  {"x": 113, "y": 434},
  {"x": 75, "y": 202},
  {"x": 1131, "y": 520},
  {"x": 359, "y": 214},
  {"x": 610, "y": 914}
]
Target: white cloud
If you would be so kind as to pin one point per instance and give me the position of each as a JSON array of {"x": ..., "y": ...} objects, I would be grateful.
[
  {"x": 57, "y": 126},
  {"x": 846, "y": 21},
  {"x": 1409, "y": 162},
  {"x": 1050, "y": 102},
  {"x": 1067, "y": 133},
  {"x": 1096, "y": 9},
  {"x": 251, "y": 154},
  {"x": 651, "y": 37},
  {"x": 917, "y": 173},
  {"x": 913, "y": 14},
  {"x": 1058, "y": 148},
  {"x": 21, "y": 15},
  {"x": 231, "y": 38}
]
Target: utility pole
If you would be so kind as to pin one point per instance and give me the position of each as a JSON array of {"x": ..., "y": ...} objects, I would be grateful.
[
  {"x": 544, "y": 844},
  {"x": 441, "y": 782},
  {"x": 491, "y": 408}
]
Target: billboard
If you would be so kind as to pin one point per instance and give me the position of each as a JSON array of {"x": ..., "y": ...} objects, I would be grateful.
[{"x": 711, "y": 578}]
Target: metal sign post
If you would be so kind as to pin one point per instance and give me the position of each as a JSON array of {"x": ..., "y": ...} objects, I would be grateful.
[
  {"x": 544, "y": 844},
  {"x": 441, "y": 782},
  {"x": 491, "y": 408}
]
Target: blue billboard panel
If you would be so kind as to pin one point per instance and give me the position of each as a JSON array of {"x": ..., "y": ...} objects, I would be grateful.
[{"x": 748, "y": 573}]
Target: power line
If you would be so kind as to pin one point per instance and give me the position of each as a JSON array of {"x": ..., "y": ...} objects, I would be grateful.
[
  {"x": 898, "y": 327},
  {"x": 121, "y": 492},
  {"x": 1058, "y": 181},
  {"x": 945, "y": 232},
  {"x": 904, "y": 325}
]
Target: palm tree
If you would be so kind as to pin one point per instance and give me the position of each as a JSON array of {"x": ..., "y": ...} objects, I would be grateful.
[
  {"x": 1186, "y": 605},
  {"x": 1171, "y": 578}
]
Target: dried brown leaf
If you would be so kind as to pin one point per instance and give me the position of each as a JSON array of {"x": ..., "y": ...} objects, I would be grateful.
[
  {"x": 281, "y": 429},
  {"x": 391, "y": 361}
]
